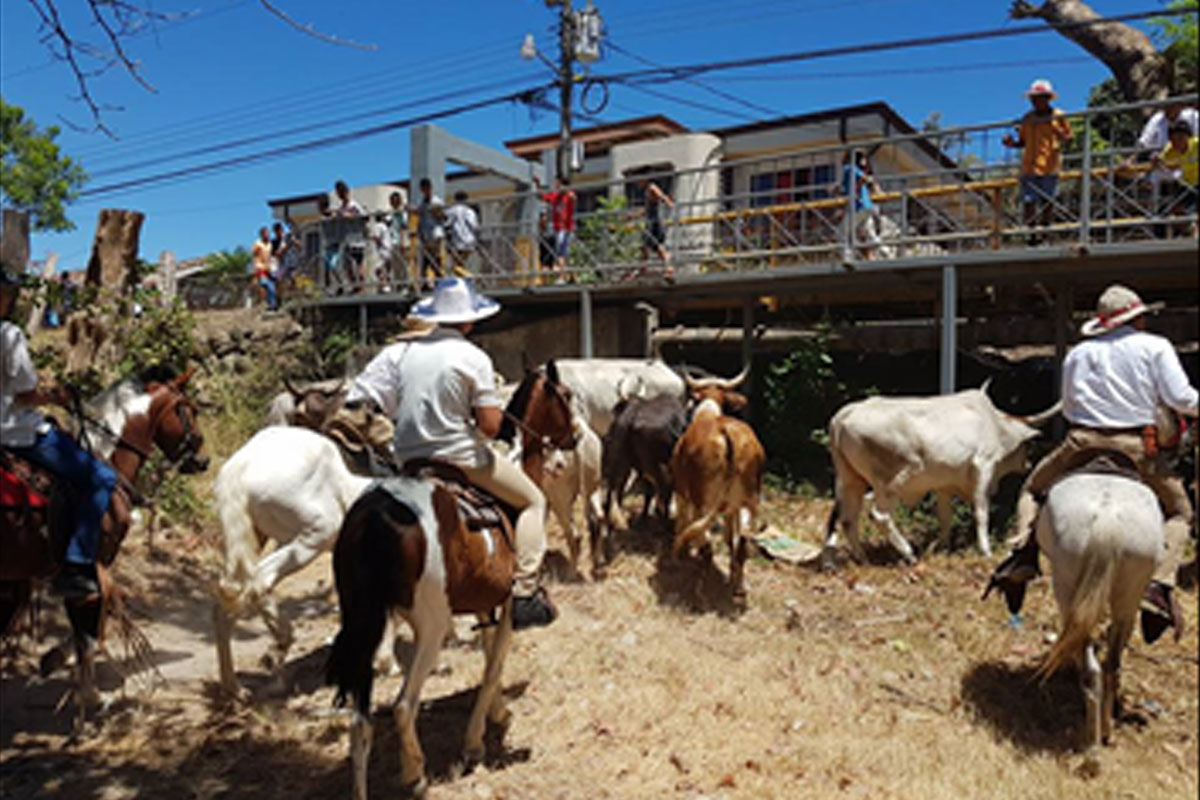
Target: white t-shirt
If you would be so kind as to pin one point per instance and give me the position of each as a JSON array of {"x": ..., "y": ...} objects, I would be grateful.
[
  {"x": 1116, "y": 380},
  {"x": 430, "y": 387},
  {"x": 462, "y": 224},
  {"x": 18, "y": 424},
  {"x": 1154, "y": 133}
]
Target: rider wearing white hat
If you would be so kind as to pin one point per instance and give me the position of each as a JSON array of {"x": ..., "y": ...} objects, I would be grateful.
[
  {"x": 440, "y": 390},
  {"x": 1113, "y": 384}
]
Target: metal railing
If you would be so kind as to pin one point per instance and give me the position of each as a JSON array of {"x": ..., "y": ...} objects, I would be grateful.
[{"x": 940, "y": 193}]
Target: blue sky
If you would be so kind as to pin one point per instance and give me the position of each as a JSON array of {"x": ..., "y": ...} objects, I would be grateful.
[{"x": 232, "y": 70}]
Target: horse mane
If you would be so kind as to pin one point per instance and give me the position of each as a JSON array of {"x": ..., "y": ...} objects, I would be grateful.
[
  {"x": 111, "y": 407},
  {"x": 516, "y": 408}
]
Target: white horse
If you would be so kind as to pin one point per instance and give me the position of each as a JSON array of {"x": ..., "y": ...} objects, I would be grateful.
[
  {"x": 1103, "y": 534},
  {"x": 288, "y": 485}
]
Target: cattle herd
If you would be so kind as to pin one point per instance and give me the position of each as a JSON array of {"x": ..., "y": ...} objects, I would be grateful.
[{"x": 634, "y": 424}]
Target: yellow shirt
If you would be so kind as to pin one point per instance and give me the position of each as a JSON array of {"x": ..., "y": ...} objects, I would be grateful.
[
  {"x": 1185, "y": 162},
  {"x": 1043, "y": 138}
]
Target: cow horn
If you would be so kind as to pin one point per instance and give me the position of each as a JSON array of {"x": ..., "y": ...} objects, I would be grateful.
[
  {"x": 736, "y": 380},
  {"x": 985, "y": 386},
  {"x": 1041, "y": 418},
  {"x": 337, "y": 389},
  {"x": 638, "y": 387},
  {"x": 296, "y": 393}
]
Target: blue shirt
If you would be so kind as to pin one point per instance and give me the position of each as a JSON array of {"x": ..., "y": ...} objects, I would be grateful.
[{"x": 862, "y": 199}]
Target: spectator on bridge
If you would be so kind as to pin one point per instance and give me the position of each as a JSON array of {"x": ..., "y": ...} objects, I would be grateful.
[
  {"x": 1041, "y": 134},
  {"x": 1180, "y": 159},
  {"x": 858, "y": 182},
  {"x": 1156, "y": 134},
  {"x": 347, "y": 205},
  {"x": 431, "y": 233},
  {"x": 654, "y": 235},
  {"x": 545, "y": 243},
  {"x": 462, "y": 227},
  {"x": 562, "y": 219},
  {"x": 398, "y": 238},
  {"x": 261, "y": 257},
  {"x": 376, "y": 251}
]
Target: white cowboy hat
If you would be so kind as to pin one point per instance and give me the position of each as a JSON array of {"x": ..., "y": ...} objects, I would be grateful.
[
  {"x": 1041, "y": 87},
  {"x": 1117, "y": 306},
  {"x": 454, "y": 301}
]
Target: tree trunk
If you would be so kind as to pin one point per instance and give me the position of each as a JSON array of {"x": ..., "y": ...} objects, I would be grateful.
[
  {"x": 115, "y": 248},
  {"x": 14, "y": 243},
  {"x": 1140, "y": 70}
]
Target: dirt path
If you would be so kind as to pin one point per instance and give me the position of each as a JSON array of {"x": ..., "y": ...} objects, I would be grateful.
[{"x": 876, "y": 682}]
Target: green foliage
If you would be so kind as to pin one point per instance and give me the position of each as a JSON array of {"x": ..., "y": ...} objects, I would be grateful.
[
  {"x": 228, "y": 265},
  {"x": 606, "y": 236},
  {"x": 1176, "y": 37},
  {"x": 35, "y": 176},
  {"x": 334, "y": 351},
  {"x": 802, "y": 392}
]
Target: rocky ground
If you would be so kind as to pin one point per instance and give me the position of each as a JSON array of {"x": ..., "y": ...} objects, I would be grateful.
[{"x": 877, "y": 681}]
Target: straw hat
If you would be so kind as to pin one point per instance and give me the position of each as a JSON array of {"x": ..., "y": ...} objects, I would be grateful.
[
  {"x": 1041, "y": 87},
  {"x": 454, "y": 301},
  {"x": 1117, "y": 306}
]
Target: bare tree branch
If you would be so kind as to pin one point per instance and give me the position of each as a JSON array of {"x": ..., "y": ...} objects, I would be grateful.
[
  {"x": 311, "y": 31},
  {"x": 117, "y": 20},
  {"x": 1140, "y": 70}
]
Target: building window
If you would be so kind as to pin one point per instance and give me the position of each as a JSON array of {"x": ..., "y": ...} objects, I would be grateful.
[{"x": 790, "y": 185}]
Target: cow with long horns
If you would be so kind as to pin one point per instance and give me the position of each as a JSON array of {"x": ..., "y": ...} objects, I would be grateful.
[{"x": 717, "y": 467}]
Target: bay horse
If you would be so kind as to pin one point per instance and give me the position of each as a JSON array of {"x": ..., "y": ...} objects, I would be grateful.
[
  {"x": 410, "y": 548},
  {"x": 1103, "y": 532},
  {"x": 121, "y": 425}
]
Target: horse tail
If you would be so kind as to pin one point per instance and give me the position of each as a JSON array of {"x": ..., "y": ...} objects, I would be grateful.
[
  {"x": 1089, "y": 597},
  {"x": 240, "y": 542},
  {"x": 367, "y": 558}
]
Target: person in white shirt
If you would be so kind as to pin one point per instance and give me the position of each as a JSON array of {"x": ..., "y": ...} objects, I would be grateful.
[
  {"x": 440, "y": 391},
  {"x": 347, "y": 205},
  {"x": 27, "y": 434},
  {"x": 431, "y": 231},
  {"x": 462, "y": 227},
  {"x": 1113, "y": 383},
  {"x": 1155, "y": 136}
]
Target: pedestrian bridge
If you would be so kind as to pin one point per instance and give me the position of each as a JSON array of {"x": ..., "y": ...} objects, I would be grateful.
[{"x": 948, "y": 239}]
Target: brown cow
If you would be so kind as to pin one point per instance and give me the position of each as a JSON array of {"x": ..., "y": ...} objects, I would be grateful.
[{"x": 717, "y": 467}]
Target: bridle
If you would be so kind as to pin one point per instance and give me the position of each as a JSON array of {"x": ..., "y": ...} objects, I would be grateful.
[
  {"x": 566, "y": 442},
  {"x": 191, "y": 441},
  {"x": 188, "y": 445}
]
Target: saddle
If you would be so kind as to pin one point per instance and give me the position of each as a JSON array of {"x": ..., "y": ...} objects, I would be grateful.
[
  {"x": 29, "y": 488},
  {"x": 477, "y": 508},
  {"x": 1102, "y": 461}
]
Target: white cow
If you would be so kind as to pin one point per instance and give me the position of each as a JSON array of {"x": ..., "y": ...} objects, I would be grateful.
[
  {"x": 597, "y": 383},
  {"x": 567, "y": 475},
  {"x": 289, "y": 485},
  {"x": 901, "y": 448}
]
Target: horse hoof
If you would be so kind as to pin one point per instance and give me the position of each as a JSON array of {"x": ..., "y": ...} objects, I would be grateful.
[
  {"x": 473, "y": 756},
  {"x": 501, "y": 719}
]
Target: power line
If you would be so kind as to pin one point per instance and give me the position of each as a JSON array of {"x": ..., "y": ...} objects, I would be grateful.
[
  {"x": 322, "y": 124},
  {"x": 667, "y": 74},
  {"x": 685, "y": 102},
  {"x": 872, "y": 73},
  {"x": 325, "y": 141},
  {"x": 710, "y": 89}
]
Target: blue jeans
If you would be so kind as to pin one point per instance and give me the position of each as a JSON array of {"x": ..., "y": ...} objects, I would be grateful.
[
  {"x": 268, "y": 284},
  {"x": 91, "y": 480}
]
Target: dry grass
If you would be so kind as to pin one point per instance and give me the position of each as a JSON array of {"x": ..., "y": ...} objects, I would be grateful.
[{"x": 878, "y": 681}]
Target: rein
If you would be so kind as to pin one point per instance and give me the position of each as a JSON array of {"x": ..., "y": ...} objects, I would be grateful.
[
  {"x": 542, "y": 441},
  {"x": 186, "y": 444}
]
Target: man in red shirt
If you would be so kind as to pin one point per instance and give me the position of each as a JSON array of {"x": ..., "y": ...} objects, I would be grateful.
[{"x": 562, "y": 218}]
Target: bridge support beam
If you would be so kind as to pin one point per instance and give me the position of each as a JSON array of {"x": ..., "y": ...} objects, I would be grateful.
[
  {"x": 948, "y": 377},
  {"x": 1064, "y": 304},
  {"x": 586, "y": 345}
]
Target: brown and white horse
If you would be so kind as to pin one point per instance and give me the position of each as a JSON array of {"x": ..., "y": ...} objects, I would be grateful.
[
  {"x": 405, "y": 549},
  {"x": 122, "y": 425}
]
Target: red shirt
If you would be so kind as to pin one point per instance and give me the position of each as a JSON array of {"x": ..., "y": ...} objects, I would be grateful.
[{"x": 562, "y": 209}]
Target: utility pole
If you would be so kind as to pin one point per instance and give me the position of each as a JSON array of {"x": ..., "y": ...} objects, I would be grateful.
[
  {"x": 579, "y": 35},
  {"x": 566, "y": 79}
]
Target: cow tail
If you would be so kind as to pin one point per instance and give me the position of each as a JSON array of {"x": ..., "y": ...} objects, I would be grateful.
[
  {"x": 367, "y": 553},
  {"x": 730, "y": 465}
]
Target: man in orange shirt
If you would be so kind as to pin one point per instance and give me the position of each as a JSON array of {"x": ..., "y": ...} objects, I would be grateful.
[{"x": 1041, "y": 134}]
